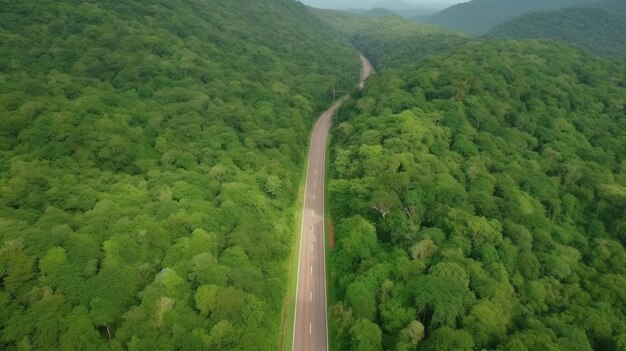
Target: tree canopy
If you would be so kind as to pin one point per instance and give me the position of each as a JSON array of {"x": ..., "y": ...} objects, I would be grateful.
[
  {"x": 484, "y": 189},
  {"x": 150, "y": 156},
  {"x": 600, "y": 29}
]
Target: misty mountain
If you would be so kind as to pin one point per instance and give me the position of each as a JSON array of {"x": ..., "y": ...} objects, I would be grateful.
[
  {"x": 406, "y": 9},
  {"x": 479, "y": 16},
  {"x": 600, "y": 29},
  {"x": 417, "y": 12},
  {"x": 395, "y": 5}
]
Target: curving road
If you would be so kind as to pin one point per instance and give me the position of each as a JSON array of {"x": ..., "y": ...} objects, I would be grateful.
[{"x": 310, "y": 323}]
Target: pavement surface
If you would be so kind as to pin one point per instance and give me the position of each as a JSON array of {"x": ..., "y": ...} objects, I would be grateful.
[{"x": 310, "y": 324}]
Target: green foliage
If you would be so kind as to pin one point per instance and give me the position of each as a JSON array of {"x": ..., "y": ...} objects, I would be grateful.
[
  {"x": 600, "y": 30},
  {"x": 150, "y": 156},
  {"x": 392, "y": 41},
  {"x": 479, "y": 16},
  {"x": 500, "y": 167},
  {"x": 366, "y": 336}
]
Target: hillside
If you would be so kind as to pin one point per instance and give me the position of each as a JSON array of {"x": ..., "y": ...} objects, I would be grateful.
[
  {"x": 479, "y": 16},
  {"x": 392, "y": 41},
  {"x": 600, "y": 30},
  {"x": 479, "y": 201},
  {"x": 150, "y": 158},
  {"x": 378, "y": 12}
]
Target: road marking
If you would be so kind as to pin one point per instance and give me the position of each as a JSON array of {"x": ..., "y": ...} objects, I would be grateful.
[
  {"x": 314, "y": 183},
  {"x": 313, "y": 197},
  {"x": 311, "y": 269},
  {"x": 320, "y": 132},
  {"x": 310, "y": 296}
]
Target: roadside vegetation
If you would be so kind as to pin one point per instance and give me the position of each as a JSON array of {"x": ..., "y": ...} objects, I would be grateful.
[
  {"x": 392, "y": 41},
  {"x": 480, "y": 201},
  {"x": 150, "y": 158}
]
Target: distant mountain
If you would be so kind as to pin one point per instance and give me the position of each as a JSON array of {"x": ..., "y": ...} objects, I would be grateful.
[
  {"x": 379, "y": 12},
  {"x": 600, "y": 29},
  {"x": 418, "y": 12},
  {"x": 479, "y": 16},
  {"x": 375, "y": 12},
  {"x": 394, "y": 8},
  {"x": 392, "y": 41},
  {"x": 371, "y": 4},
  {"x": 395, "y": 5}
]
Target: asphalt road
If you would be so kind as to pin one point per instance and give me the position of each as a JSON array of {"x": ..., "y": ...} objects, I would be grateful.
[{"x": 310, "y": 324}]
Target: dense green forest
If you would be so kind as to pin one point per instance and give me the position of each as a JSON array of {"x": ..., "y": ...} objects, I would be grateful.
[
  {"x": 150, "y": 158},
  {"x": 480, "y": 204},
  {"x": 379, "y": 12},
  {"x": 408, "y": 13},
  {"x": 600, "y": 29},
  {"x": 479, "y": 16},
  {"x": 392, "y": 41}
]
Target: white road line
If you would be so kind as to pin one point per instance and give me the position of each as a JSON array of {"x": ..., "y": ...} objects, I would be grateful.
[
  {"x": 319, "y": 136},
  {"x": 311, "y": 296},
  {"x": 311, "y": 269},
  {"x": 313, "y": 197}
]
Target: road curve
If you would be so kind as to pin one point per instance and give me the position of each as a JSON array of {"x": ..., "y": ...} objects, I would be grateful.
[{"x": 310, "y": 322}]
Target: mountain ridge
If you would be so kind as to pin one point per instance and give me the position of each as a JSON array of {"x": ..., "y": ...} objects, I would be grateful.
[
  {"x": 479, "y": 16},
  {"x": 599, "y": 28}
]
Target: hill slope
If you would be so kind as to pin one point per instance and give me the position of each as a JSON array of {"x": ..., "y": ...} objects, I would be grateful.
[
  {"x": 601, "y": 30},
  {"x": 479, "y": 16},
  {"x": 150, "y": 157},
  {"x": 392, "y": 41},
  {"x": 479, "y": 198}
]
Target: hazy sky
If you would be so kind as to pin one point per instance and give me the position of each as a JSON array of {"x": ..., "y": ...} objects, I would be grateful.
[{"x": 342, "y": 4}]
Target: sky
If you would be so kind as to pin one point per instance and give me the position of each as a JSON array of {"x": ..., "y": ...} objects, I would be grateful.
[{"x": 344, "y": 4}]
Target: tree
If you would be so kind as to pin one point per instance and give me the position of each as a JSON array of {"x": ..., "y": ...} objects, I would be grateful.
[
  {"x": 206, "y": 298},
  {"x": 423, "y": 249},
  {"x": 394, "y": 316},
  {"x": 365, "y": 336},
  {"x": 273, "y": 186},
  {"x": 361, "y": 295},
  {"x": 410, "y": 336},
  {"x": 357, "y": 239},
  {"x": 440, "y": 302},
  {"x": 80, "y": 334},
  {"x": 448, "y": 339},
  {"x": 451, "y": 272},
  {"x": 383, "y": 202},
  {"x": 487, "y": 322}
]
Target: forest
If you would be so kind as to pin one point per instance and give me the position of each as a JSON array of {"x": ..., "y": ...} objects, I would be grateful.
[
  {"x": 599, "y": 28},
  {"x": 392, "y": 41},
  {"x": 152, "y": 155},
  {"x": 479, "y": 16},
  {"x": 479, "y": 203},
  {"x": 150, "y": 159}
]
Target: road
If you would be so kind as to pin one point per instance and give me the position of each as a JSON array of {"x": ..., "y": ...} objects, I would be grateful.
[{"x": 310, "y": 323}]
